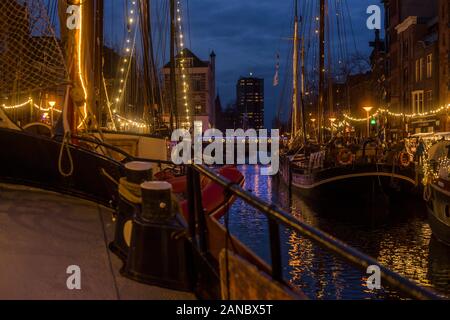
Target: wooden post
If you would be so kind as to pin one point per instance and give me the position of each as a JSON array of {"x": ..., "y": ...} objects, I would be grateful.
[
  {"x": 191, "y": 202},
  {"x": 275, "y": 250},
  {"x": 320, "y": 115},
  {"x": 173, "y": 83},
  {"x": 200, "y": 212}
]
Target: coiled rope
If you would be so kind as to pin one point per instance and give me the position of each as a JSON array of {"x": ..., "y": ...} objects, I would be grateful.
[
  {"x": 65, "y": 146},
  {"x": 130, "y": 191}
]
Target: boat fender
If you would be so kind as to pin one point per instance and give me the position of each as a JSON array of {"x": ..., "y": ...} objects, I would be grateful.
[
  {"x": 404, "y": 159},
  {"x": 345, "y": 157}
]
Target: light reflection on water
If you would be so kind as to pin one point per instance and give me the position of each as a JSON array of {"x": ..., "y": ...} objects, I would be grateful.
[{"x": 403, "y": 243}]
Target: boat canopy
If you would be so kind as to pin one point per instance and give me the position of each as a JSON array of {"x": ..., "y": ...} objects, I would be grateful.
[
  {"x": 6, "y": 122},
  {"x": 439, "y": 150},
  {"x": 423, "y": 135},
  {"x": 431, "y": 136}
]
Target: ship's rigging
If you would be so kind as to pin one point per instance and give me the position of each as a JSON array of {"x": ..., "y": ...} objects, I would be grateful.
[
  {"x": 112, "y": 63},
  {"x": 328, "y": 54}
]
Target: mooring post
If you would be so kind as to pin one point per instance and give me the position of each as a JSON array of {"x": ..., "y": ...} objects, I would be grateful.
[
  {"x": 158, "y": 255},
  {"x": 191, "y": 203},
  {"x": 157, "y": 201},
  {"x": 129, "y": 204},
  {"x": 137, "y": 172},
  {"x": 275, "y": 250},
  {"x": 200, "y": 212}
]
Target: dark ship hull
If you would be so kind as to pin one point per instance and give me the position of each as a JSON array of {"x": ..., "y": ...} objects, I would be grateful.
[
  {"x": 439, "y": 211},
  {"x": 33, "y": 160},
  {"x": 358, "y": 189}
]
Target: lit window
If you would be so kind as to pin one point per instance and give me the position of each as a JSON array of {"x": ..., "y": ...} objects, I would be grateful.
[
  {"x": 429, "y": 65},
  {"x": 417, "y": 102},
  {"x": 429, "y": 100},
  {"x": 419, "y": 70}
]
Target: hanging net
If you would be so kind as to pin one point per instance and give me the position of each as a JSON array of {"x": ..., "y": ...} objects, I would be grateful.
[{"x": 31, "y": 58}]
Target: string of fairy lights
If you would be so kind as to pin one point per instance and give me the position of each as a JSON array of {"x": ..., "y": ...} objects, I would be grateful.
[
  {"x": 30, "y": 102},
  {"x": 402, "y": 115},
  {"x": 124, "y": 72},
  {"x": 125, "y": 69},
  {"x": 127, "y": 63},
  {"x": 184, "y": 75}
]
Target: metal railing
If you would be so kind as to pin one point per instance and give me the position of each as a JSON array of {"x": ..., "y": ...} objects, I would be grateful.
[{"x": 277, "y": 217}]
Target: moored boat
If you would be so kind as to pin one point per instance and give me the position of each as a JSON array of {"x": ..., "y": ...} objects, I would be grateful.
[
  {"x": 363, "y": 178},
  {"x": 437, "y": 190}
]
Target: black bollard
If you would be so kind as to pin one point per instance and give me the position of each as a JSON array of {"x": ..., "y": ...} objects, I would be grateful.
[
  {"x": 158, "y": 253},
  {"x": 156, "y": 201},
  {"x": 135, "y": 174}
]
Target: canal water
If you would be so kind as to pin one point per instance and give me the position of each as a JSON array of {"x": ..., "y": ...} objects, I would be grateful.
[{"x": 403, "y": 242}]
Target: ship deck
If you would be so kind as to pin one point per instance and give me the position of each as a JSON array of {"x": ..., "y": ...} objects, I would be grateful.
[{"x": 43, "y": 233}]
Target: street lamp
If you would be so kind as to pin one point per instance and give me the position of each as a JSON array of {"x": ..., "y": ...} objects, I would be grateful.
[
  {"x": 368, "y": 109},
  {"x": 314, "y": 127},
  {"x": 52, "y": 105}
]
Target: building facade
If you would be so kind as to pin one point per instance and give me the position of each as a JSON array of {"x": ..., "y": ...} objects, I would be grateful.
[
  {"x": 250, "y": 102},
  {"x": 444, "y": 50},
  {"x": 400, "y": 46},
  {"x": 201, "y": 78},
  {"x": 417, "y": 63}
]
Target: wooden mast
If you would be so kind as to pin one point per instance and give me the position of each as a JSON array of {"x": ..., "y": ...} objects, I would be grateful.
[
  {"x": 294, "y": 129},
  {"x": 321, "y": 68},
  {"x": 70, "y": 38},
  {"x": 302, "y": 89},
  {"x": 150, "y": 73},
  {"x": 173, "y": 84},
  {"x": 98, "y": 65},
  {"x": 146, "y": 34}
]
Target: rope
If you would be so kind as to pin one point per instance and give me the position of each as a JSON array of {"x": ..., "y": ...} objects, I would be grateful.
[
  {"x": 130, "y": 191},
  {"x": 107, "y": 175},
  {"x": 65, "y": 145},
  {"x": 30, "y": 63}
]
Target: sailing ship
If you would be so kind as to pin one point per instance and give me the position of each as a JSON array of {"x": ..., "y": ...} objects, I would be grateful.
[
  {"x": 74, "y": 156},
  {"x": 360, "y": 176},
  {"x": 45, "y": 232}
]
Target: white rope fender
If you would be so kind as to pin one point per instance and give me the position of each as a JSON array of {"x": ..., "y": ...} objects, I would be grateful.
[
  {"x": 65, "y": 146},
  {"x": 66, "y": 140}
]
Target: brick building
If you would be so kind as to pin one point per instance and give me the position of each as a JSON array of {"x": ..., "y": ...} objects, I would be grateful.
[
  {"x": 417, "y": 66},
  {"x": 444, "y": 49}
]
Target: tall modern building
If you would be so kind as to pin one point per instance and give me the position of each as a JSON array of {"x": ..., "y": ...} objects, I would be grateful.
[
  {"x": 201, "y": 76},
  {"x": 250, "y": 102}
]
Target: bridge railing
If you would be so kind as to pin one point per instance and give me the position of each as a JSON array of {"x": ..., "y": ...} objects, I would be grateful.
[{"x": 278, "y": 217}]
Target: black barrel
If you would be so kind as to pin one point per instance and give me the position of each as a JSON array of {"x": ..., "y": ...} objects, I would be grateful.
[
  {"x": 157, "y": 201},
  {"x": 159, "y": 255},
  {"x": 135, "y": 173},
  {"x": 159, "y": 252},
  {"x": 138, "y": 172}
]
